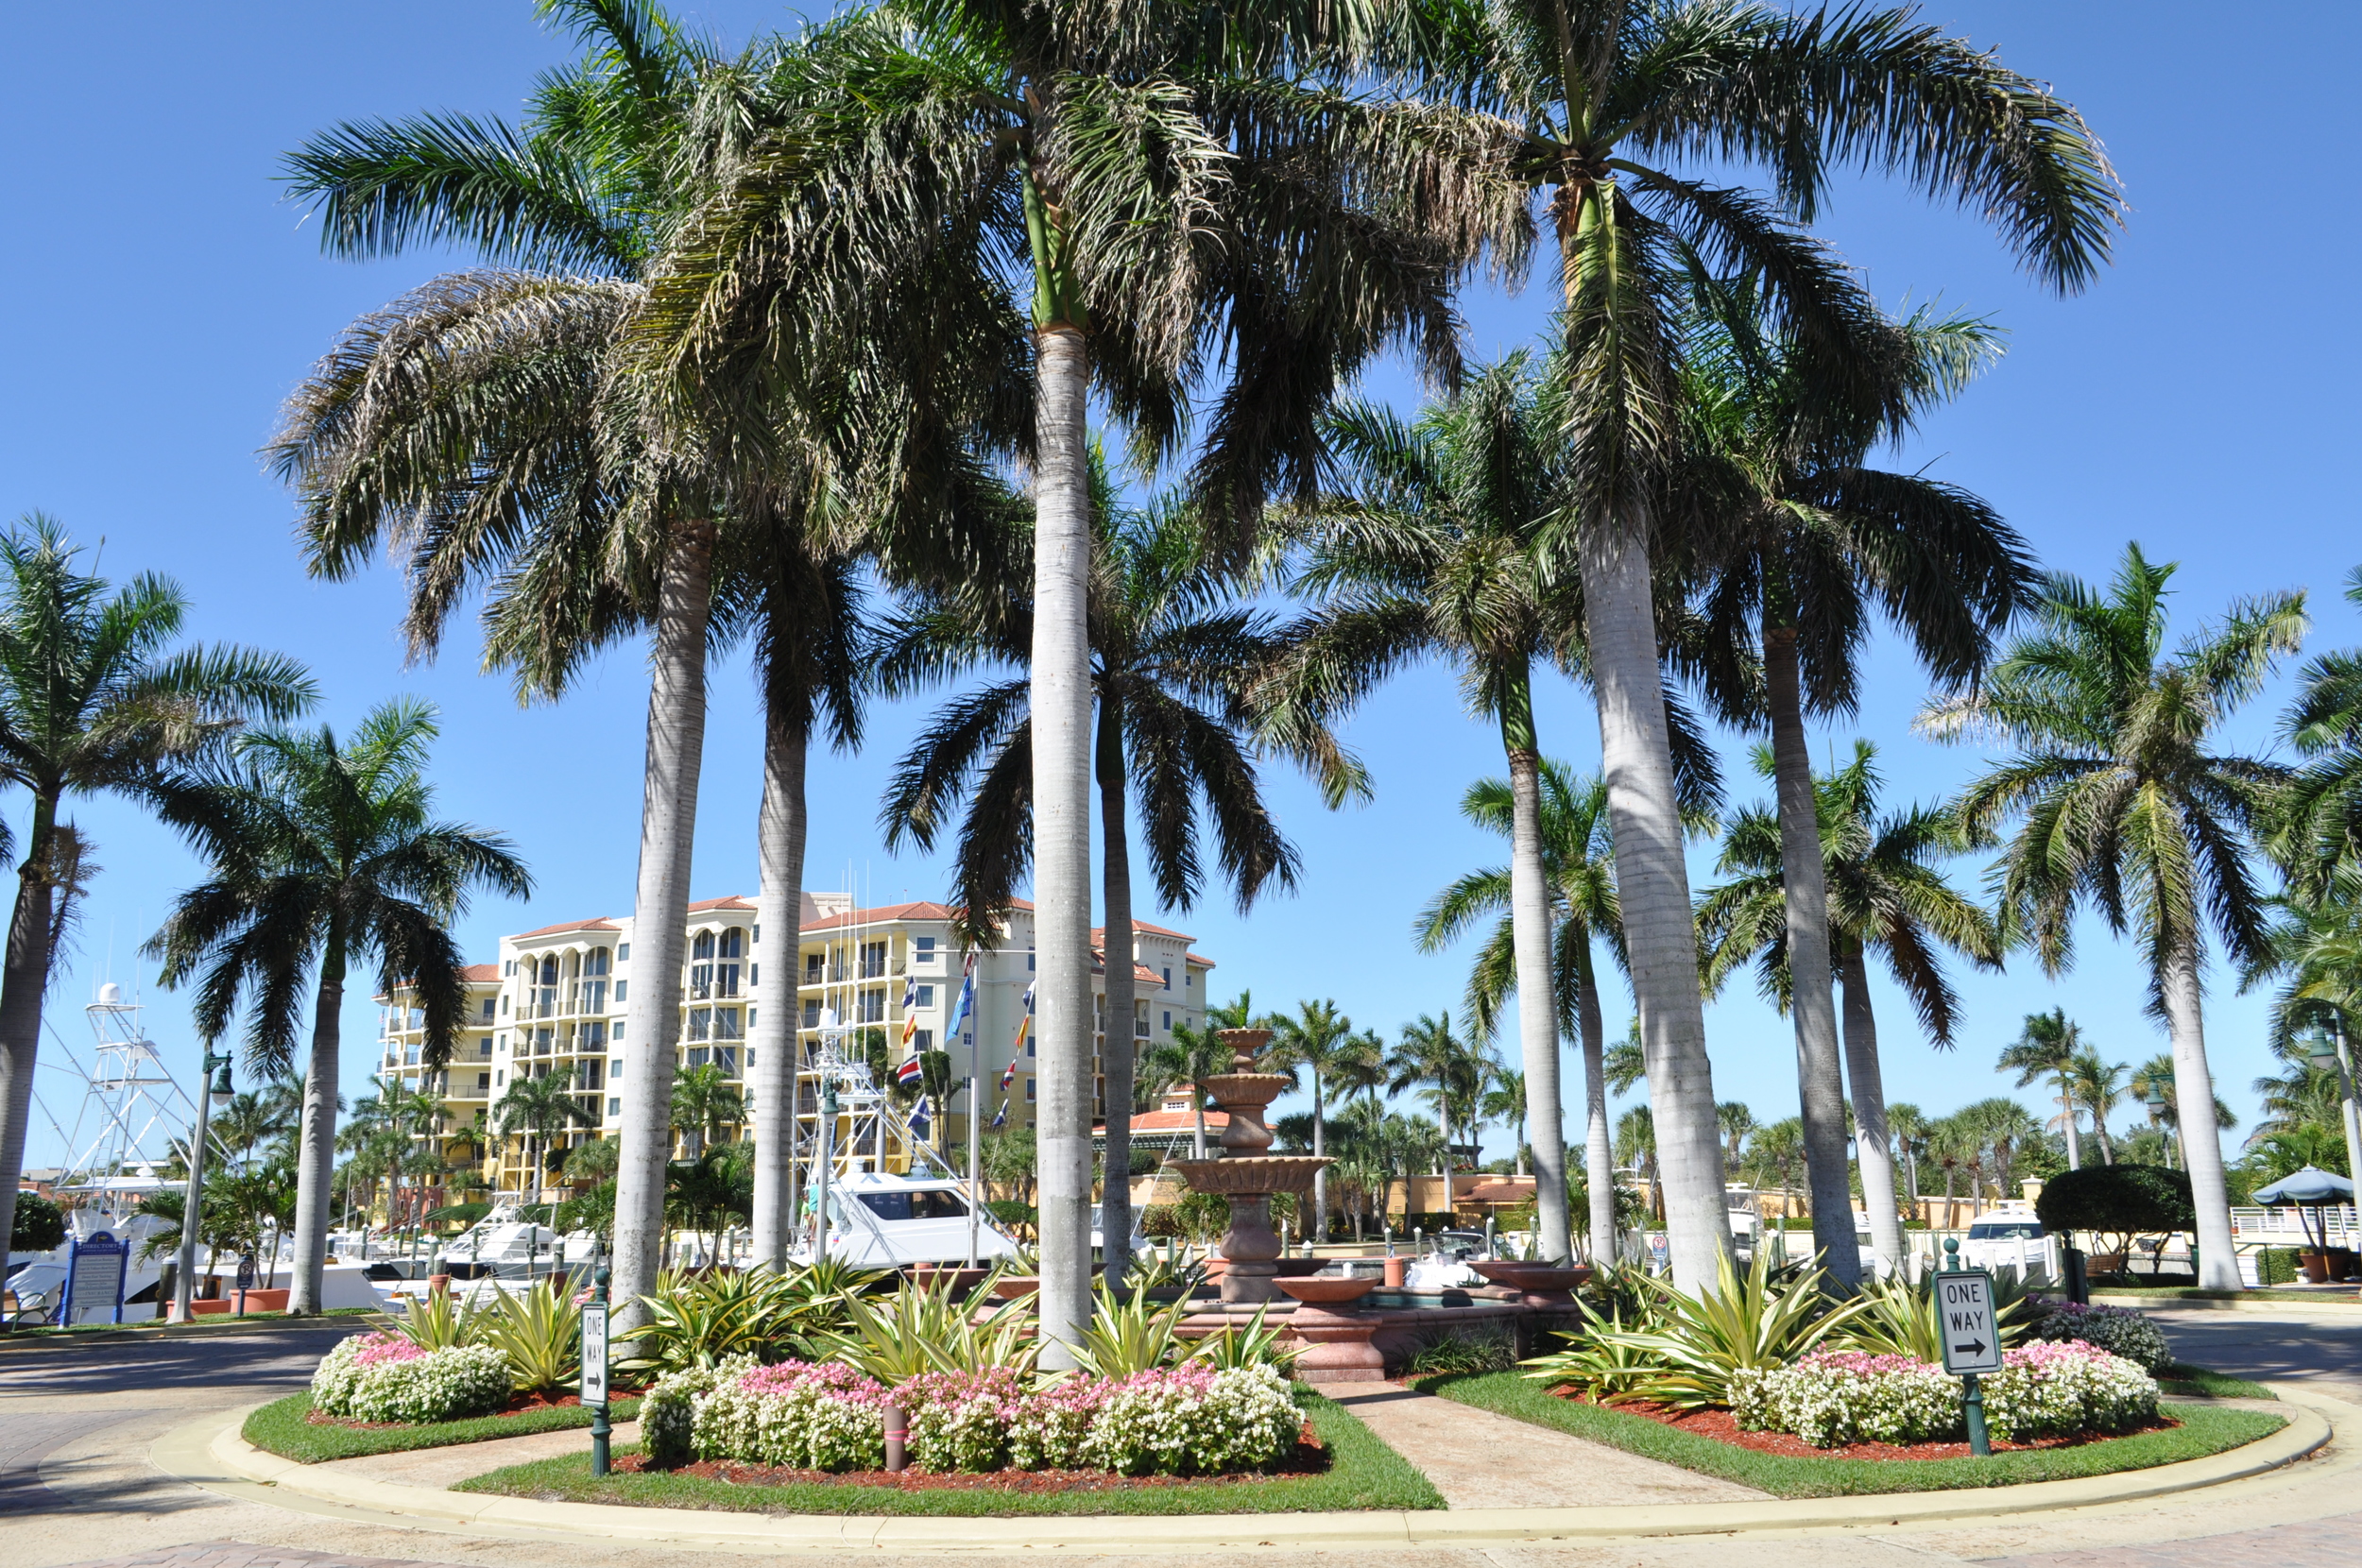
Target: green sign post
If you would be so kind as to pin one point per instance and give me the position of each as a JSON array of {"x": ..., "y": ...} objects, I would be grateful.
[{"x": 1970, "y": 1335}]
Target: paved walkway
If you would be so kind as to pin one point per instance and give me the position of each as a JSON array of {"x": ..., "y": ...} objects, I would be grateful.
[{"x": 1479, "y": 1459}]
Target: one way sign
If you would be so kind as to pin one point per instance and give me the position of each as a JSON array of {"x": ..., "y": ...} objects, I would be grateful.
[{"x": 1964, "y": 1316}]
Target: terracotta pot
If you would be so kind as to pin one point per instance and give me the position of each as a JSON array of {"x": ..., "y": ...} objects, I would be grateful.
[
  {"x": 2316, "y": 1268},
  {"x": 1398, "y": 1273},
  {"x": 1010, "y": 1287},
  {"x": 439, "y": 1284}
]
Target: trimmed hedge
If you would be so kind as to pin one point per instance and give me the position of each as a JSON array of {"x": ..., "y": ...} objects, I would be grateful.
[{"x": 2119, "y": 1201}]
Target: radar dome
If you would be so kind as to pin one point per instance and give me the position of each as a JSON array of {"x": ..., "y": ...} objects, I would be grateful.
[{"x": 110, "y": 994}]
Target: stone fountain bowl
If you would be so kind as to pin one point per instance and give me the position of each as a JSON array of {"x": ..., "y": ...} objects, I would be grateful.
[
  {"x": 1537, "y": 1279},
  {"x": 1245, "y": 1088},
  {"x": 1247, "y": 1174},
  {"x": 1314, "y": 1290}
]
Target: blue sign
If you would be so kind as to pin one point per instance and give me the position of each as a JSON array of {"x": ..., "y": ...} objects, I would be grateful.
[{"x": 94, "y": 1279}]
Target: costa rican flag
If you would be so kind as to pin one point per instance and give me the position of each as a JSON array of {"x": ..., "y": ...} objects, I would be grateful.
[{"x": 909, "y": 1072}]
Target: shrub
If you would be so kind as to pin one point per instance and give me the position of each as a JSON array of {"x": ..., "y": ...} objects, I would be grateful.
[
  {"x": 1017, "y": 1219},
  {"x": 1462, "y": 1353},
  {"x": 2276, "y": 1266},
  {"x": 1701, "y": 1341},
  {"x": 1602, "y": 1362},
  {"x": 1249, "y": 1344},
  {"x": 390, "y": 1377},
  {"x": 1161, "y": 1221},
  {"x": 1130, "y": 1335},
  {"x": 804, "y": 1415},
  {"x": 962, "y": 1421},
  {"x": 1192, "y": 1420},
  {"x": 2117, "y": 1330},
  {"x": 668, "y": 1413},
  {"x": 707, "y": 1320},
  {"x": 539, "y": 1331},
  {"x": 2045, "y": 1389},
  {"x": 38, "y": 1226},
  {"x": 2118, "y": 1202},
  {"x": 924, "y": 1328},
  {"x": 1832, "y": 1398}
]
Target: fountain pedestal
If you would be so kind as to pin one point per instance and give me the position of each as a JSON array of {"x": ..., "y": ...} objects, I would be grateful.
[
  {"x": 1337, "y": 1338},
  {"x": 1246, "y": 1175}
]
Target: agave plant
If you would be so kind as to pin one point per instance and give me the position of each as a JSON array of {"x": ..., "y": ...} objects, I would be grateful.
[
  {"x": 1900, "y": 1319},
  {"x": 1248, "y": 1345},
  {"x": 435, "y": 1321},
  {"x": 540, "y": 1330},
  {"x": 1154, "y": 1271},
  {"x": 704, "y": 1320},
  {"x": 1602, "y": 1362},
  {"x": 1130, "y": 1334},
  {"x": 927, "y": 1328},
  {"x": 1760, "y": 1322}
]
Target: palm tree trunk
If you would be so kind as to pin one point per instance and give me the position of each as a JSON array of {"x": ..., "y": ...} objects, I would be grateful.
[
  {"x": 774, "y": 1042},
  {"x": 1820, "y": 1069},
  {"x": 1598, "y": 1146},
  {"x": 1061, "y": 708},
  {"x": 2194, "y": 1105},
  {"x": 24, "y": 977},
  {"x": 1875, "y": 1147},
  {"x": 1118, "y": 1052},
  {"x": 2067, "y": 1103},
  {"x": 668, "y": 825},
  {"x": 1652, "y": 881},
  {"x": 316, "y": 1152},
  {"x": 1443, "y": 1165},
  {"x": 1537, "y": 997}
]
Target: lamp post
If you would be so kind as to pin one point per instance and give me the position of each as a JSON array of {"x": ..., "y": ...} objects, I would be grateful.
[
  {"x": 213, "y": 1083},
  {"x": 2332, "y": 1054},
  {"x": 2158, "y": 1103}
]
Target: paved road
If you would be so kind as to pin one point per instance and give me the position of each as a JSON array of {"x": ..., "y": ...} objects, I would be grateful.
[{"x": 77, "y": 1491}]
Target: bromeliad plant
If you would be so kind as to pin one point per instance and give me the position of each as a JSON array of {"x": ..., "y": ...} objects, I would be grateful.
[
  {"x": 1896, "y": 1318},
  {"x": 1752, "y": 1323},
  {"x": 929, "y": 1328},
  {"x": 702, "y": 1321},
  {"x": 540, "y": 1330}
]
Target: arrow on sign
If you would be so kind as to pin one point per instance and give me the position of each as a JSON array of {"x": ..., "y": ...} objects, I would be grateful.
[{"x": 1975, "y": 1347}]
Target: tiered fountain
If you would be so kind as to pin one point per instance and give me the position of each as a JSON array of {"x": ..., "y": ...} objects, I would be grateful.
[{"x": 1247, "y": 1174}]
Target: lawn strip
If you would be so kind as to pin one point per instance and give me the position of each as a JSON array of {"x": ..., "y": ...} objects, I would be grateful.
[
  {"x": 2204, "y": 1430},
  {"x": 1363, "y": 1474},
  {"x": 280, "y": 1428},
  {"x": 2188, "y": 1381}
]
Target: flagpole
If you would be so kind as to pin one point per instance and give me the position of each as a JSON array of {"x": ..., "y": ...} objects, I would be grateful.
[{"x": 975, "y": 1146}]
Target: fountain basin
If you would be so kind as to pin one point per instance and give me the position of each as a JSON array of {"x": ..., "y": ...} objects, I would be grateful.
[
  {"x": 1541, "y": 1284},
  {"x": 1251, "y": 1174},
  {"x": 1329, "y": 1292}
]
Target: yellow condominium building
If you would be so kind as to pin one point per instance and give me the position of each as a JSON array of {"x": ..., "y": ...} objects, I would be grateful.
[{"x": 556, "y": 1002}]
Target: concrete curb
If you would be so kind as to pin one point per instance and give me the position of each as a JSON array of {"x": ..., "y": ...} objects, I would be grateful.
[
  {"x": 210, "y": 1453},
  {"x": 2295, "y": 1307},
  {"x": 134, "y": 1333}
]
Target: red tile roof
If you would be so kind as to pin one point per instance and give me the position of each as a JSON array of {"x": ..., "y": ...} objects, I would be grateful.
[
  {"x": 923, "y": 909},
  {"x": 479, "y": 972},
  {"x": 1175, "y": 1121},
  {"x": 1099, "y": 933},
  {"x": 598, "y": 923},
  {"x": 735, "y": 901}
]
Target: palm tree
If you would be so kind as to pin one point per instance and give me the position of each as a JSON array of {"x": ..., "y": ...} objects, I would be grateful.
[
  {"x": 1579, "y": 877},
  {"x": 2046, "y": 1048},
  {"x": 1175, "y": 200},
  {"x": 2097, "y": 1086},
  {"x": 1318, "y": 1040},
  {"x": 1173, "y": 658},
  {"x": 249, "y": 1118},
  {"x": 94, "y": 700},
  {"x": 2316, "y": 832},
  {"x": 1446, "y": 1072},
  {"x": 1505, "y": 1101},
  {"x": 1573, "y": 94},
  {"x": 1431, "y": 550},
  {"x": 704, "y": 1100},
  {"x": 2316, "y": 943},
  {"x": 1883, "y": 891},
  {"x": 1777, "y": 1151},
  {"x": 1736, "y": 1122},
  {"x": 323, "y": 853},
  {"x": 1192, "y": 1057},
  {"x": 539, "y": 1110},
  {"x": 1809, "y": 543},
  {"x": 1910, "y": 1128},
  {"x": 2127, "y": 805}
]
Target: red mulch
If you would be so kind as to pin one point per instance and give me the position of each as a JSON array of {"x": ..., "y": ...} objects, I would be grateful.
[
  {"x": 1308, "y": 1459},
  {"x": 1723, "y": 1428},
  {"x": 519, "y": 1405}
]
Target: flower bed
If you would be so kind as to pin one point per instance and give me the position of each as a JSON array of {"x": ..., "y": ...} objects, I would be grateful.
[
  {"x": 1186, "y": 1419},
  {"x": 2117, "y": 1330},
  {"x": 386, "y": 1377},
  {"x": 1834, "y": 1399}
]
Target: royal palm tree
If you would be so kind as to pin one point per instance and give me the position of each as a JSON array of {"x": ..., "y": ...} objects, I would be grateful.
[
  {"x": 2097, "y": 1084},
  {"x": 1808, "y": 544},
  {"x": 1191, "y": 1057},
  {"x": 1504, "y": 1102},
  {"x": 2127, "y": 805},
  {"x": 1319, "y": 1042},
  {"x": 1597, "y": 103},
  {"x": 1176, "y": 202},
  {"x": 1579, "y": 877},
  {"x": 2045, "y": 1052},
  {"x": 1174, "y": 656},
  {"x": 2315, "y": 831},
  {"x": 95, "y": 699},
  {"x": 1446, "y": 1072},
  {"x": 1883, "y": 893},
  {"x": 1909, "y": 1126},
  {"x": 703, "y": 1102},
  {"x": 323, "y": 853},
  {"x": 2316, "y": 947},
  {"x": 539, "y": 1110}
]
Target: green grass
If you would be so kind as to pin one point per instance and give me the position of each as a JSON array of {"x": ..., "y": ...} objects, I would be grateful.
[
  {"x": 280, "y": 1428},
  {"x": 2190, "y": 1381},
  {"x": 1363, "y": 1472},
  {"x": 2204, "y": 1430}
]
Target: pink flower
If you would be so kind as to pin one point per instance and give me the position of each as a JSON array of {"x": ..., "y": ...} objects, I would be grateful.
[{"x": 386, "y": 1346}]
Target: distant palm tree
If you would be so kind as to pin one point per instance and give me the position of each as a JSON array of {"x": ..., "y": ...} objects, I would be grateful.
[
  {"x": 1318, "y": 1040},
  {"x": 2046, "y": 1050},
  {"x": 538, "y": 1110},
  {"x": 1505, "y": 1102},
  {"x": 94, "y": 700},
  {"x": 1444, "y": 1071},
  {"x": 2126, "y": 803},
  {"x": 1192, "y": 1057},
  {"x": 1909, "y": 1126},
  {"x": 2097, "y": 1085},
  {"x": 322, "y": 854},
  {"x": 704, "y": 1100},
  {"x": 1624, "y": 1064},
  {"x": 1737, "y": 1121}
]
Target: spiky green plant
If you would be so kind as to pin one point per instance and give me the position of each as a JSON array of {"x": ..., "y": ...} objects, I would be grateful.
[
  {"x": 1758, "y": 1321},
  {"x": 1130, "y": 1334},
  {"x": 1253, "y": 1344},
  {"x": 927, "y": 1328},
  {"x": 540, "y": 1330},
  {"x": 435, "y": 1321},
  {"x": 1900, "y": 1319}
]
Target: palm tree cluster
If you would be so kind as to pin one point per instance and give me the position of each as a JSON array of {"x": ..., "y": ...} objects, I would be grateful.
[{"x": 751, "y": 338}]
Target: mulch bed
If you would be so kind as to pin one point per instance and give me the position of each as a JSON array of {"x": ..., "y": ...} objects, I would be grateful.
[
  {"x": 1310, "y": 1458},
  {"x": 1723, "y": 1428},
  {"x": 519, "y": 1405}
]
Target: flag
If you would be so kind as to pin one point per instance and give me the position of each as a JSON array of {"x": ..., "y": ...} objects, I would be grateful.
[
  {"x": 1001, "y": 1115},
  {"x": 1010, "y": 1076},
  {"x": 909, "y": 1072},
  {"x": 967, "y": 1003},
  {"x": 1024, "y": 1022},
  {"x": 910, "y": 1010},
  {"x": 919, "y": 1118}
]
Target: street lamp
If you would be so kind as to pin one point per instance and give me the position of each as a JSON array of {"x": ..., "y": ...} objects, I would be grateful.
[
  {"x": 2160, "y": 1100},
  {"x": 2328, "y": 1053},
  {"x": 214, "y": 1088}
]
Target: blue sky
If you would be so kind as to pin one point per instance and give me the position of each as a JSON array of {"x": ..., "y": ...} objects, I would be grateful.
[{"x": 164, "y": 299}]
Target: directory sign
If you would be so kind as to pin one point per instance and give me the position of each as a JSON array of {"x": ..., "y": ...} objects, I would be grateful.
[{"x": 1972, "y": 1343}]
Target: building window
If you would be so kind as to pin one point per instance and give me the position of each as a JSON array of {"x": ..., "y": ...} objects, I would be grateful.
[
  {"x": 811, "y": 969},
  {"x": 1167, "y": 1022},
  {"x": 614, "y": 1107},
  {"x": 618, "y": 992},
  {"x": 754, "y": 976},
  {"x": 500, "y": 1077},
  {"x": 484, "y": 1080},
  {"x": 733, "y": 943},
  {"x": 1029, "y": 1090},
  {"x": 594, "y": 962},
  {"x": 615, "y": 1070},
  {"x": 726, "y": 1023},
  {"x": 812, "y": 1012},
  {"x": 923, "y": 950},
  {"x": 926, "y": 996},
  {"x": 1029, "y": 958},
  {"x": 487, "y": 1010},
  {"x": 697, "y": 1056},
  {"x": 726, "y": 980},
  {"x": 623, "y": 952},
  {"x": 758, "y": 933},
  {"x": 503, "y": 1006},
  {"x": 873, "y": 1007},
  {"x": 726, "y": 1057},
  {"x": 593, "y": 1037},
  {"x": 922, "y": 1042},
  {"x": 1168, "y": 976},
  {"x": 700, "y": 1023},
  {"x": 873, "y": 960},
  {"x": 617, "y": 1033}
]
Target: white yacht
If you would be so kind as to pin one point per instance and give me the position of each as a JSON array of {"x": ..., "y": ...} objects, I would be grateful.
[{"x": 881, "y": 1219}]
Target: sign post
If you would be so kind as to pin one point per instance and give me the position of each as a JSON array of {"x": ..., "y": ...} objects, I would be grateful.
[
  {"x": 594, "y": 1370},
  {"x": 1970, "y": 1335}
]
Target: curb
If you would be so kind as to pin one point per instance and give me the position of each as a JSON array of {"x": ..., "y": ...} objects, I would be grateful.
[
  {"x": 210, "y": 1452},
  {"x": 2295, "y": 1307},
  {"x": 130, "y": 1333}
]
